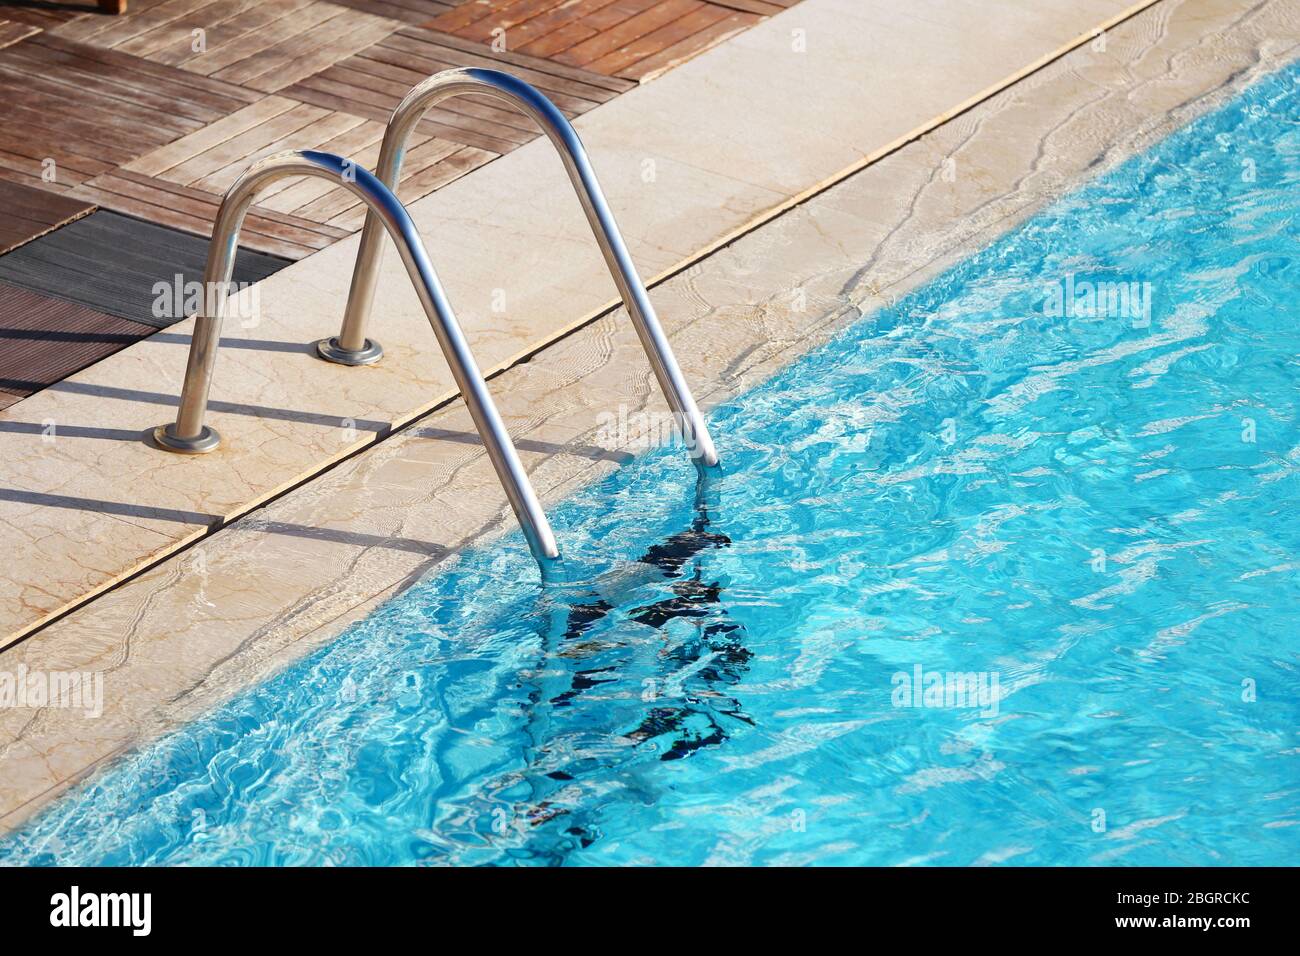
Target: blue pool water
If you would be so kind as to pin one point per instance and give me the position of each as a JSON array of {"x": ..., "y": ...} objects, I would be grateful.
[{"x": 1092, "y": 514}]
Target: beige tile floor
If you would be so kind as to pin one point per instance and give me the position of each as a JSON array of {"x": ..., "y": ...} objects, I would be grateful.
[
  {"x": 196, "y": 628},
  {"x": 688, "y": 161}
]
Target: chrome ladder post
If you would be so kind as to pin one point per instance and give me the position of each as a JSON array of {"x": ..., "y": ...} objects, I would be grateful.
[
  {"x": 189, "y": 434},
  {"x": 352, "y": 347}
]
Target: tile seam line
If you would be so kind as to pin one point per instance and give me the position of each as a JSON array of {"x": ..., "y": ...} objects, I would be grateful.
[{"x": 403, "y": 421}]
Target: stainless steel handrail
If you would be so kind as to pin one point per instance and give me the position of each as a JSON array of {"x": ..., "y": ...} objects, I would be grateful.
[
  {"x": 351, "y": 347},
  {"x": 189, "y": 434}
]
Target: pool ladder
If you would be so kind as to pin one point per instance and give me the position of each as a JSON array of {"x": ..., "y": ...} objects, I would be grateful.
[{"x": 189, "y": 434}]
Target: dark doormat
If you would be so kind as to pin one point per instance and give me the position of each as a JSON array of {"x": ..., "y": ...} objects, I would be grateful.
[{"x": 112, "y": 263}]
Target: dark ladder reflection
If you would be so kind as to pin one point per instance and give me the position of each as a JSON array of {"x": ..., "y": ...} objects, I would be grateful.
[
  {"x": 721, "y": 640},
  {"x": 714, "y": 657}
]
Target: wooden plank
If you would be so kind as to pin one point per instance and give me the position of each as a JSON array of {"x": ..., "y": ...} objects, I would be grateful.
[
  {"x": 217, "y": 96},
  {"x": 574, "y": 96},
  {"x": 178, "y": 34},
  {"x": 408, "y": 11},
  {"x": 30, "y": 213},
  {"x": 56, "y": 112},
  {"x": 15, "y": 168},
  {"x": 84, "y": 28},
  {"x": 307, "y": 137},
  {"x": 461, "y": 17},
  {"x": 689, "y": 47},
  {"x": 341, "y": 34},
  {"x": 12, "y": 32},
  {"x": 123, "y": 29},
  {"x": 339, "y": 43},
  {"x": 25, "y": 132},
  {"x": 36, "y": 208},
  {"x": 683, "y": 28},
  {"x": 397, "y": 81},
  {"x": 762, "y": 8},
  {"x": 434, "y": 177},
  {"x": 47, "y": 18},
  {"x": 272, "y": 218},
  {"x": 590, "y": 18},
  {"x": 176, "y": 152},
  {"x": 244, "y": 146},
  {"x": 607, "y": 41},
  {"x": 507, "y": 17},
  {"x": 481, "y": 115},
  {"x": 103, "y": 104},
  {"x": 79, "y": 73},
  {"x": 229, "y": 30},
  {"x": 106, "y": 128},
  {"x": 193, "y": 212},
  {"x": 228, "y": 54},
  {"x": 290, "y": 194},
  {"x": 437, "y": 122},
  {"x": 544, "y": 24},
  {"x": 418, "y": 159},
  {"x": 21, "y": 170},
  {"x": 582, "y": 81}
]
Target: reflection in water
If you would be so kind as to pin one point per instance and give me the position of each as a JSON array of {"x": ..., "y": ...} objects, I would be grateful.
[
  {"x": 594, "y": 637},
  {"x": 476, "y": 720}
]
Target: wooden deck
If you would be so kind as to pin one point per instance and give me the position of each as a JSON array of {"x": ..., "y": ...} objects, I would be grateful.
[
  {"x": 632, "y": 39},
  {"x": 89, "y": 110},
  {"x": 155, "y": 113}
]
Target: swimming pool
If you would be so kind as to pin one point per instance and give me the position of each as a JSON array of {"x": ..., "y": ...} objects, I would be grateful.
[{"x": 1066, "y": 471}]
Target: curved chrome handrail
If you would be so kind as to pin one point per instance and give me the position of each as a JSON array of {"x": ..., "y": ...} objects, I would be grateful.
[
  {"x": 190, "y": 435},
  {"x": 351, "y": 347}
]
